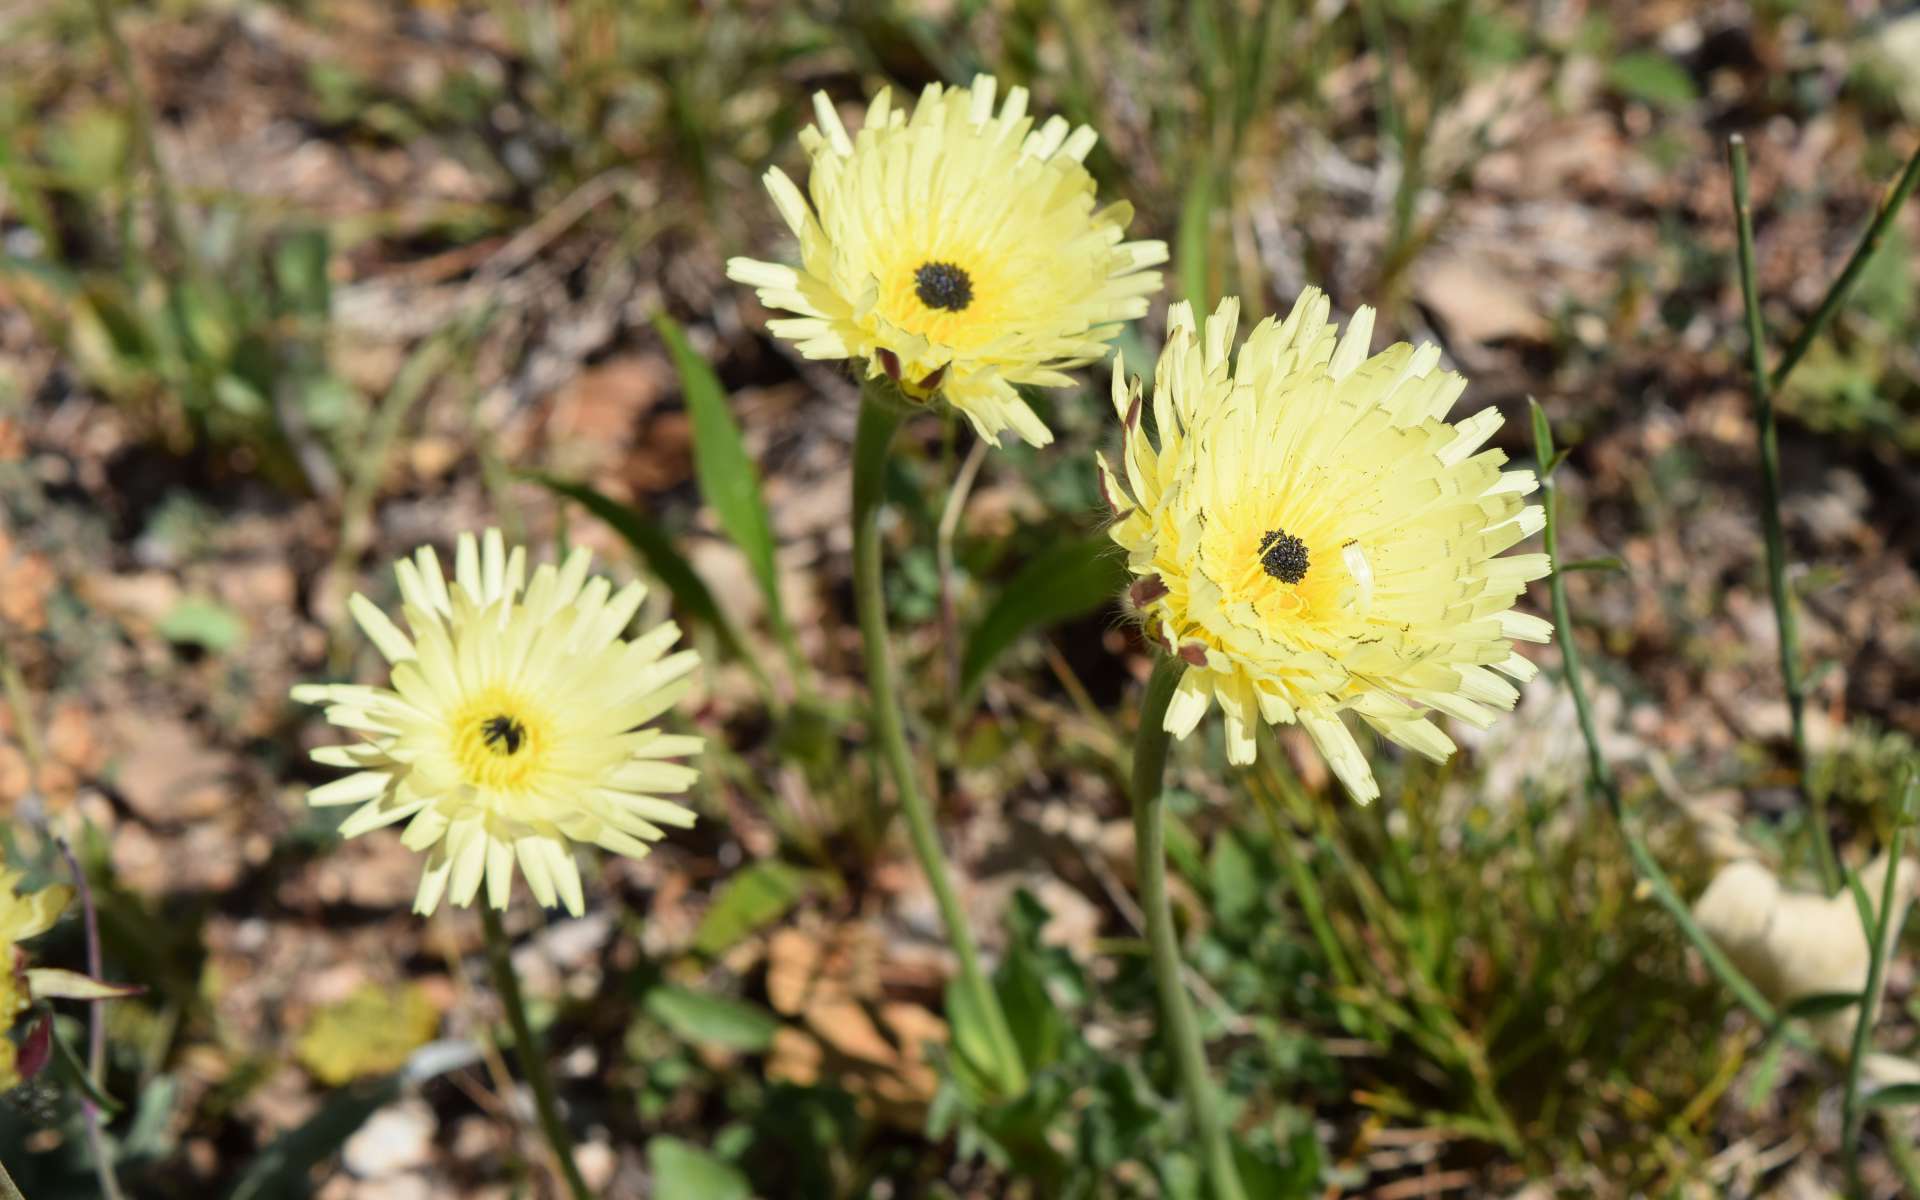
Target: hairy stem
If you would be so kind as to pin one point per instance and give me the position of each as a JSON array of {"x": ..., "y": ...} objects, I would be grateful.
[
  {"x": 880, "y": 417},
  {"x": 533, "y": 1061},
  {"x": 1176, "y": 1014}
]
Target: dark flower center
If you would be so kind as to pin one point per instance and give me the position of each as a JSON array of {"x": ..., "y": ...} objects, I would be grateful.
[
  {"x": 503, "y": 735},
  {"x": 943, "y": 285},
  {"x": 1283, "y": 556}
]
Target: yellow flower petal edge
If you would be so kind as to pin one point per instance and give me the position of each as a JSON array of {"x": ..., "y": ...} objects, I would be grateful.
[
  {"x": 30, "y": 914},
  {"x": 958, "y": 250},
  {"x": 514, "y": 726},
  {"x": 1314, "y": 538}
]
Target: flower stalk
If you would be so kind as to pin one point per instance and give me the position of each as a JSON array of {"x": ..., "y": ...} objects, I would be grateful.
[
  {"x": 533, "y": 1062},
  {"x": 881, "y": 412},
  {"x": 1150, "y": 852}
]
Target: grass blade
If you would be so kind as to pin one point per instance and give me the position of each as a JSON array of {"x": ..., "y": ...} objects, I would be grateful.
[
  {"x": 729, "y": 480},
  {"x": 662, "y": 558}
]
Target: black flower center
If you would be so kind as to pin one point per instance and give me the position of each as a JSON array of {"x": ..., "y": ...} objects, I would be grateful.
[
  {"x": 503, "y": 735},
  {"x": 943, "y": 285},
  {"x": 1283, "y": 556}
]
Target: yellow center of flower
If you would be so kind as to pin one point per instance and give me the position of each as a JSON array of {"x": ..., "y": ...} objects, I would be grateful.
[
  {"x": 1269, "y": 554},
  {"x": 499, "y": 740},
  {"x": 961, "y": 293}
]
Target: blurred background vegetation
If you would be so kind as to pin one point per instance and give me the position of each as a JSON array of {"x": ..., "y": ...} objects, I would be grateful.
[{"x": 289, "y": 288}]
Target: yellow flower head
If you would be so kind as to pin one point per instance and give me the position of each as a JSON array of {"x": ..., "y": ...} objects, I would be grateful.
[
  {"x": 955, "y": 250},
  {"x": 1313, "y": 537},
  {"x": 513, "y": 725}
]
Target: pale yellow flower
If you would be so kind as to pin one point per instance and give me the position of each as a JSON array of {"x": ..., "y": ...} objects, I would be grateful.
[
  {"x": 514, "y": 724},
  {"x": 958, "y": 251},
  {"x": 1314, "y": 538}
]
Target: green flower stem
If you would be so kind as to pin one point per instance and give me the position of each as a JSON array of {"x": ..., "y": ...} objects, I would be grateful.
[
  {"x": 881, "y": 412},
  {"x": 1884, "y": 934},
  {"x": 1601, "y": 776},
  {"x": 1785, "y": 620},
  {"x": 1150, "y": 850},
  {"x": 533, "y": 1061}
]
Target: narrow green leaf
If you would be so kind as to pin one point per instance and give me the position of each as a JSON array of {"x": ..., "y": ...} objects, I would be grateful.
[
  {"x": 1609, "y": 563},
  {"x": 683, "y": 1171},
  {"x": 283, "y": 1170},
  {"x": 1652, "y": 79},
  {"x": 1893, "y": 1095},
  {"x": 728, "y": 478},
  {"x": 754, "y": 898},
  {"x": 1542, "y": 438},
  {"x": 67, "y": 1065},
  {"x": 973, "y": 1042},
  {"x": 1820, "y": 1004},
  {"x": 712, "y": 1020},
  {"x": 1066, "y": 580},
  {"x": 658, "y": 552}
]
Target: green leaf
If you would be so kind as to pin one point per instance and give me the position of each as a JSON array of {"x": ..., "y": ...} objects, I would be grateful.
[
  {"x": 973, "y": 1041},
  {"x": 1893, "y": 1095},
  {"x": 657, "y": 551},
  {"x": 284, "y": 1170},
  {"x": 712, "y": 1020},
  {"x": 728, "y": 478},
  {"x": 1542, "y": 438},
  {"x": 754, "y": 898},
  {"x": 203, "y": 623},
  {"x": 67, "y": 1065},
  {"x": 1232, "y": 877},
  {"x": 1652, "y": 79},
  {"x": 1067, "y": 579},
  {"x": 683, "y": 1171},
  {"x": 1039, "y": 1028},
  {"x": 1610, "y": 563},
  {"x": 300, "y": 273},
  {"x": 1820, "y": 1004}
]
